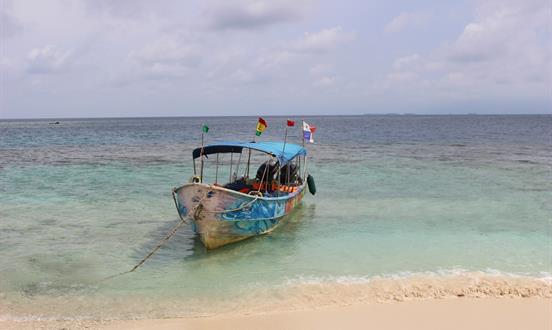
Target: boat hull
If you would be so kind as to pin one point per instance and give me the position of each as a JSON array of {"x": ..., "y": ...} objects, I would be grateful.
[{"x": 221, "y": 216}]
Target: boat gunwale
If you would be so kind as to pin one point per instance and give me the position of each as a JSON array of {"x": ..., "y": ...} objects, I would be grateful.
[{"x": 212, "y": 186}]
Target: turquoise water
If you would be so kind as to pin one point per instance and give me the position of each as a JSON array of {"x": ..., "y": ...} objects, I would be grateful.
[{"x": 396, "y": 195}]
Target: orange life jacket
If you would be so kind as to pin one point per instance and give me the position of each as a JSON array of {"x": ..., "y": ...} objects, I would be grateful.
[{"x": 274, "y": 186}]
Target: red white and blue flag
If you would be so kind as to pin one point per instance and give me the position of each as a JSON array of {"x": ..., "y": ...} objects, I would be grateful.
[{"x": 308, "y": 132}]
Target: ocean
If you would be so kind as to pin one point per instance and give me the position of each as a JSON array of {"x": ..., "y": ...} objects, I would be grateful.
[{"x": 398, "y": 197}]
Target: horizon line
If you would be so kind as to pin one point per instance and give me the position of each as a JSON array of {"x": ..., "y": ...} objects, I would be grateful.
[{"x": 283, "y": 116}]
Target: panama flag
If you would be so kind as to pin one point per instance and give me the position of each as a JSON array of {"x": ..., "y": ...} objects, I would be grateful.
[{"x": 308, "y": 132}]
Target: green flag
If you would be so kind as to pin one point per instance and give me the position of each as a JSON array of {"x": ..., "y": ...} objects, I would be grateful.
[{"x": 205, "y": 128}]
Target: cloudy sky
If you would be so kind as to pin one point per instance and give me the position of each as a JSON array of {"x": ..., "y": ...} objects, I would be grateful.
[{"x": 96, "y": 58}]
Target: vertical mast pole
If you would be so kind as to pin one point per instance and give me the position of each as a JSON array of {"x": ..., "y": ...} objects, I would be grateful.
[
  {"x": 231, "y": 160},
  {"x": 283, "y": 151},
  {"x": 304, "y": 157},
  {"x": 238, "y": 165},
  {"x": 249, "y": 159},
  {"x": 303, "y": 134},
  {"x": 216, "y": 169},
  {"x": 302, "y": 144},
  {"x": 285, "y": 140},
  {"x": 201, "y": 155}
]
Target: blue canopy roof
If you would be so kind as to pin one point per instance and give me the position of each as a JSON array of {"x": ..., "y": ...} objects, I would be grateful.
[{"x": 275, "y": 149}]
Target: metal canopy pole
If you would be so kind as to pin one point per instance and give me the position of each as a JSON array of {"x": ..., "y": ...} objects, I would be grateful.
[
  {"x": 248, "y": 162},
  {"x": 239, "y": 161},
  {"x": 249, "y": 158},
  {"x": 303, "y": 145},
  {"x": 216, "y": 169},
  {"x": 201, "y": 155},
  {"x": 231, "y": 159}
]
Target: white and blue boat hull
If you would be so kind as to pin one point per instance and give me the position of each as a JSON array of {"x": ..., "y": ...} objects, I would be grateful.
[{"x": 221, "y": 216}]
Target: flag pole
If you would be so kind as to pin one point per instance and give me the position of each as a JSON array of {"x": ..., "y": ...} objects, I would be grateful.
[
  {"x": 303, "y": 145},
  {"x": 261, "y": 126}
]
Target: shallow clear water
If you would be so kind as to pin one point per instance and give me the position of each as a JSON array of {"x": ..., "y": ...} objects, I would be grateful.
[{"x": 396, "y": 195}]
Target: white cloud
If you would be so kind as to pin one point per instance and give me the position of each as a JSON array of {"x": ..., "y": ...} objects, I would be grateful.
[
  {"x": 323, "y": 41},
  {"x": 323, "y": 75},
  {"x": 509, "y": 30},
  {"x": 401, "y": 77},
  {"x": 320, "y": 69},
  {"x": 5, "y": 64},
  {"x": 270, "y": 59},
  {"x": 9, "y": 24},
  {"x": 169, "y": 50},
  {"x": 119, "y": 8},
  {"x": 324, "y": 81},
  {"x": 48, "y": 60},
  {"x": 507, "y": 43},
  {"x": 253, "y": 14},
  {"x": 252, "y": 64},
  {"x": 406, "y": 61},
  {"x": 229, "y": 50},
  {"x": 257, "y": 66},
  {"x": 167, "y": 57},
  {"x": 455, "y": 78},
  {"x": 504, "y": 52},
  {"x": 404, "y": 20}
]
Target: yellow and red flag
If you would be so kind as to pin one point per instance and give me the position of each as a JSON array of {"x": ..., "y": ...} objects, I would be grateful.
[{"x": 261, "y": 126}]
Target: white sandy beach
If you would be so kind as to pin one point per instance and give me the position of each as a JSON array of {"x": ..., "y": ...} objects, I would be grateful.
[{"x": 453, "y": 313}]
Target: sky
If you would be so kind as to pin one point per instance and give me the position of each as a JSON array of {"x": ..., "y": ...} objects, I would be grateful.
[{"x": 103, "y": 58}]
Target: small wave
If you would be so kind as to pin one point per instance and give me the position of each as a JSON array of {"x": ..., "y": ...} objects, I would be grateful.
[
  {"x": 298, "y": 293},
  {"x": 311, "y": 292},
  {"x": 405, "y": 275}
]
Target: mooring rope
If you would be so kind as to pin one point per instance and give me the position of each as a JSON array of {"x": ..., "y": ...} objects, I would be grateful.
[
  {"x": 152, "y": 252},
  {"x": 183, "y": 220},
  {"x": 241, "y": 207}
]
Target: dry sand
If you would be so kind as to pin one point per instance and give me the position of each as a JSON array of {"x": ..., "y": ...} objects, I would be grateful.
[{"x": 452, "y": 313}]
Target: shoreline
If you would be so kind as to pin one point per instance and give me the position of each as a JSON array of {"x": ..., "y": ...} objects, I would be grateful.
[
  {"x": 296, "y": 296},
  {"x": 451, "y": 313}
]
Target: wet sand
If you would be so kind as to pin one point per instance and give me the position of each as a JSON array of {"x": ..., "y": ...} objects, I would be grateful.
[
  {"x": 451, "y": 313},
  {"x": 464, "y": 301}
]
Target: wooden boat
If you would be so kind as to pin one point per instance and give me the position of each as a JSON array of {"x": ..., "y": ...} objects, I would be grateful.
[{"x": 244, "y": 206}]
